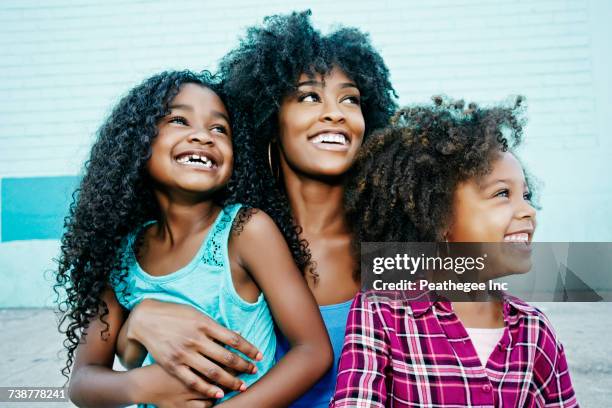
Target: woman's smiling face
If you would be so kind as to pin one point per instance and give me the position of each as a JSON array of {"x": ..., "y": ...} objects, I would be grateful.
[{"x": 321, "y": 125}]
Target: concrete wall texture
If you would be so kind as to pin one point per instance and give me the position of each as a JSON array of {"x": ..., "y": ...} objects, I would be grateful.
[{"x": 63, "y": 64}]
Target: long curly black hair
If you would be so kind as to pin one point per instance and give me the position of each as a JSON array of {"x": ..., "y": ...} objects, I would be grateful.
[
  {"x": 263, "y": 70},
  {"x": 401, "y": 187},
  {"x": 114, "y": 197}
]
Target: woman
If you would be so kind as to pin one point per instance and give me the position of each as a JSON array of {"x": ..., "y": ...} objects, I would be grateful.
[{"x": 305, "y": 103}]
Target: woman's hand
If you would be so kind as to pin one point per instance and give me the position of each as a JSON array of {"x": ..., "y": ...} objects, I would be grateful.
[
  {"x": 180, "y": 338},
  {"x": 155, "y": 386}
]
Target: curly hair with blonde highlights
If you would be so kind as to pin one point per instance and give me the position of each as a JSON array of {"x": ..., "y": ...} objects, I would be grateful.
[{"x": 401, "y": 187}]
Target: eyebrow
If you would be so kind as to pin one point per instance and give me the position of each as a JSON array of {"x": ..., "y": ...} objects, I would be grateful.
[
  {"x": 321, "y": 84},
  {"x": 221, "y": 115},
  {"x": 181, "y": 106},
  {"x": 216, "y": 114},
  {"x": 484, "y": 186}
]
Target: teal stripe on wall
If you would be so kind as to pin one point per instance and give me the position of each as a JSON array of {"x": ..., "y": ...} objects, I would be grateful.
[{"x": 34, "y": 208}]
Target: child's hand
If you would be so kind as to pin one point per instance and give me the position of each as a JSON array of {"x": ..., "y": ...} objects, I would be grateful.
[
  {"x": 163, "y": 390},
  {"x": 180, "y": 339}
]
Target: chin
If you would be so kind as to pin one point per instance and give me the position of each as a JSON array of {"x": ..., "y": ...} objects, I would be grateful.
[
  {"x": 198, "y": 186},
  {"x": 330, "y": 172},
  {"x": 522, "y": 267},
  {"x": 332, "y": 167},
  {"x": 516, "y": 265}
]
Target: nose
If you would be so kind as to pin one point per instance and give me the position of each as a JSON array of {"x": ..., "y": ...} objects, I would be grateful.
[
  {"x": 526, "y": 210},
  {"x": 332, "y": 113},
  {"x": 201, "y": 136}
]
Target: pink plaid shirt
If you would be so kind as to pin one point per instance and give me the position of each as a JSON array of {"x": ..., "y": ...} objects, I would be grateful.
[{"x": 400, "y": 353}]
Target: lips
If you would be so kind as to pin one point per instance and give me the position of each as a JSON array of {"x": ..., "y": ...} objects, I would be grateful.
[{"x": 197, "y": 159}]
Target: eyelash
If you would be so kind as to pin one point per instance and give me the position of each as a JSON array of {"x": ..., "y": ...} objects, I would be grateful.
[
  {"x": 178, "y": 119},
  {"x": 526, "y": 196},
  {"x": 302, "y": 97},
  {"x": 355, "y": 99},
  {"x": 223, "y": 129},
  {"x": 181, "y": 120},
  {"x": 502, "y": 193}
]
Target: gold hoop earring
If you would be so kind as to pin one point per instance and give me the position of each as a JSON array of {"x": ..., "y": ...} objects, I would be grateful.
[
  {"x": 276, "y": 176},
  {"x": 270, "y": 157}
]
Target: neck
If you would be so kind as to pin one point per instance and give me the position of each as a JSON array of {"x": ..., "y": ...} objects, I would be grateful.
[
  {"x": 480, "y": 314},
  {"x": 183, "y": 216},
  {"x": 316, "y": 205}
]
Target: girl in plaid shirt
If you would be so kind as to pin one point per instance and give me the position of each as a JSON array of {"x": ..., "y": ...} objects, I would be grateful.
[{"x": 447, "y": 173}]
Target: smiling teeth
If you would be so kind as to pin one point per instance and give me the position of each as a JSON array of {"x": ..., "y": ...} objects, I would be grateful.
[
  {"x": 522, "y": 237},
  {"x": 330, "y": 138},
  {"x": 195, "y": 159}
]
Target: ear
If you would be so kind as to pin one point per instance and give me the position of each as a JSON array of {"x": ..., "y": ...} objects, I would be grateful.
[{"x": 445, "y": 234}]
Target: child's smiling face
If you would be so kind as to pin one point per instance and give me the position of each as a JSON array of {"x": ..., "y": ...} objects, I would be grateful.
[
  {"x": 495, "y": 208},
  {"x": 193, "y": 150}
]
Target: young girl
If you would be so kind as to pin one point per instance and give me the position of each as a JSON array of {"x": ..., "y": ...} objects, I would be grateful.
[
  {"x": 153, "y": 220},
  {"x": 442, "y": 173},
  {"x": 294, "y": 84}
]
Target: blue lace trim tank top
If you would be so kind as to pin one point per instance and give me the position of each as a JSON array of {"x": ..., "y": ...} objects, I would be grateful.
[
  {"x": 334, "y": 317},
  {"x": 205, "y": 284}
]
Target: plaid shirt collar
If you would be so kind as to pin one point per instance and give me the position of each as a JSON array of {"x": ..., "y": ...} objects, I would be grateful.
[
  {"x": 514, "y": 310},
  {"x": 512, "y": 306}
]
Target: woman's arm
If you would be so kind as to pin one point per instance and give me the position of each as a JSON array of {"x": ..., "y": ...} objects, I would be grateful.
[
  {"x": 93, "y": 382},
  {"x": 130, "y": 352},
  {"x": 294, "y": 310},
  {"x": 180, "y": 339},
  {"x": 364, "y": 360}
]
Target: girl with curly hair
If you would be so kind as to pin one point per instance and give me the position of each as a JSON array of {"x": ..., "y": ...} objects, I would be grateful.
[
  {"x": 153, "y": 220},
  {"x": 305, "y": 104},
  {"x": 445, "y": 173}
]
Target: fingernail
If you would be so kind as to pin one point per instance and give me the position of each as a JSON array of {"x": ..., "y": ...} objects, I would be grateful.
[
  {"x": 219, "y": 394},
  {"x": 243, "y": 387},
  {"x": 254, "y": 370},
  {"x": 259, "y": 356}
]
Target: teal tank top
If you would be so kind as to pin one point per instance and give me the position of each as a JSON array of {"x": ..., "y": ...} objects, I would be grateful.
[{"x": 205, "y": 284}]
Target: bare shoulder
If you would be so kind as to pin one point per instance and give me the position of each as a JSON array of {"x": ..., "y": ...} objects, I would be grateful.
[
  {"x": 251, "y": 223},
  {"x": 254, "y": 231},
  {"x": 257, "y": 245}
]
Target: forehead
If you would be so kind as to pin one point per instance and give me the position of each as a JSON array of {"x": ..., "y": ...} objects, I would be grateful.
[
  {"x": 507, "y": 167},
  {"x": 334, "y": 77},
  {"x": 198, "y": 96}
]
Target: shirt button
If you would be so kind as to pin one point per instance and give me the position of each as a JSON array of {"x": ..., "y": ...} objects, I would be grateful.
[{"x": 486, "y": 388}]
